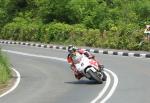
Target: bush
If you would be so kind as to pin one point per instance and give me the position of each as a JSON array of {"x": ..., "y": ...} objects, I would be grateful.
[
  {"x": 119, "y": 36},
  {"x": 21, "y": 29},
  {"x": 55, "y": 32},
  {"x": 91, "y": 37},
  {"x": 76, "y": 34}
]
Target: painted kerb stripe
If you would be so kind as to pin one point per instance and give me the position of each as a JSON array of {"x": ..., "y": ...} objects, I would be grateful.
[{"x": 91, "y": 50}]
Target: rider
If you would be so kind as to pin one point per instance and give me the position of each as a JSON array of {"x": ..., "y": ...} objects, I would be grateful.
[{"x": 73, "y": 51}]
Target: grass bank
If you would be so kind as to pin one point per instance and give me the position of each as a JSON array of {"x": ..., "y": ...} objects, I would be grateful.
[{"x": 5, "y": 72}]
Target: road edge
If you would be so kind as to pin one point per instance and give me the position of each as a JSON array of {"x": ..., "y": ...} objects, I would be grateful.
[
  {"x": 15, "y": 83},
  {"x": 109, "y": 52}
]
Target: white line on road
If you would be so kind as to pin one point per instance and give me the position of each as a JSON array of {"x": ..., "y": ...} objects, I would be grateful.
[
  {"x": 15, "y": 85},
  {"x": 104, "y": 89},
  {"x": 34, "y": 55},
  {"x": 113, "y": 87},
  {"x": 62, "y": 59}
]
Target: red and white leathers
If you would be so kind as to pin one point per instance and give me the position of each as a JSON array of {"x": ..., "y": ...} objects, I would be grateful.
[{"x": 78, "y": 74}]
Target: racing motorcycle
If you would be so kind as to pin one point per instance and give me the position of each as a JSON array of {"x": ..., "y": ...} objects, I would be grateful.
[{"x": 90, "y": 68}]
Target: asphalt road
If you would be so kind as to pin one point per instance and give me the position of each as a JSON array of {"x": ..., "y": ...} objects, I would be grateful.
[{"x": 45, "y": 80}]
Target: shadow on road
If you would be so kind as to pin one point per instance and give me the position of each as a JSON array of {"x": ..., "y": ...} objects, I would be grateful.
[{"x": 90, "y": 82}]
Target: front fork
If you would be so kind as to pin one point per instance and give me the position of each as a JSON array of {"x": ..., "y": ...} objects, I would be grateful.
[{"x": 101, "y": 68}]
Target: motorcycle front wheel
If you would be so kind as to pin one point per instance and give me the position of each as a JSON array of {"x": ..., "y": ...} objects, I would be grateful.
[
  {"x": 95, "y": 76},
  {"x": 104, "y": 78}
]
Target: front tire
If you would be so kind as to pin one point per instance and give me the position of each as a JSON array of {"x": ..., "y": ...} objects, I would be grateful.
[
  {"x": 95, "y": 76},
  {"x": 104, "y": 76}
]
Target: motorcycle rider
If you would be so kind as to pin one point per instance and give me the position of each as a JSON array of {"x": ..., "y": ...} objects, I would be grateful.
[{"x": 73, "y": 51}]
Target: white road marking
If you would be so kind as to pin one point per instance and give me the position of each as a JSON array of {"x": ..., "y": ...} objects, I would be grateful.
[
  {"x": 113, "y": 87},
  {"x": 62, "y": 59},
  {"x": 34, "y": 55},
  {"x": 104, "y": 89},
  {"x": 15, "y": 85}
]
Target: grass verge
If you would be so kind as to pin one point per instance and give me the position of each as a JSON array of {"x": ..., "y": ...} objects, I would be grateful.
[{"x": 5, "y": 72}]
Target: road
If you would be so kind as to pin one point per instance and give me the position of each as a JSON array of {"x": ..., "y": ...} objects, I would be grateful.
[{"x": 47, "y": 80}]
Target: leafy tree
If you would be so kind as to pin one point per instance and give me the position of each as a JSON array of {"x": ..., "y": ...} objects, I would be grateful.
[{"x": 100, "y": 23}]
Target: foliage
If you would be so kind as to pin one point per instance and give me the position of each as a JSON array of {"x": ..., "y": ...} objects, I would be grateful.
[
  {"x": 55, "y": 32},
  {"x": 21, "y": 29},
  {"x": 100, "y": 23}
]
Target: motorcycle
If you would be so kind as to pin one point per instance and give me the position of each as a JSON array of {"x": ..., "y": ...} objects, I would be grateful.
[{"x": 90, "y": 68}]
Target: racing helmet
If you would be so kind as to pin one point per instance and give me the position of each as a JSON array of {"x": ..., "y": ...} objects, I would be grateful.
[{"x": 71, "y": 48}]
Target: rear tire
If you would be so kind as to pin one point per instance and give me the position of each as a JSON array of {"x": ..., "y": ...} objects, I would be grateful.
[{"x": 95, "y": 76}]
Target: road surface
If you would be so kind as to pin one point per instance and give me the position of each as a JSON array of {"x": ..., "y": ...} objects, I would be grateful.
[{"x": 49, "y": 80}]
